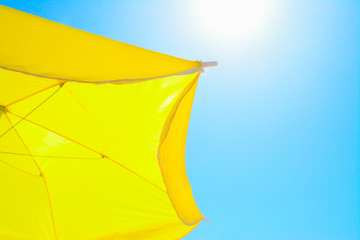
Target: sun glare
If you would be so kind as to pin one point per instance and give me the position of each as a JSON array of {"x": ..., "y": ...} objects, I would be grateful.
[{"x": 233, "y": 18}]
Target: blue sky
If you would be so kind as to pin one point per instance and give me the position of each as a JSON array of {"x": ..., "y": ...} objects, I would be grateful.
[{"x": 273, "y": 143}]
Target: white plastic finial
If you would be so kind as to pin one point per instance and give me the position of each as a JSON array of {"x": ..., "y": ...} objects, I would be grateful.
[{"x": 209, "y": 64}]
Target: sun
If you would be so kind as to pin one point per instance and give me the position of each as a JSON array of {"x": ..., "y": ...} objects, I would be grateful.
[{"x": 233, "y": 18}]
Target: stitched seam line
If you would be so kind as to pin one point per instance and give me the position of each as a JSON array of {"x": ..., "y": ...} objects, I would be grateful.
[
  {"x": 159, "y": 159},
  {"x": 114, "y": 81}
]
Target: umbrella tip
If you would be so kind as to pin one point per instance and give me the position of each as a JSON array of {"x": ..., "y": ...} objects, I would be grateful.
[{"x": 209, "y": 64}]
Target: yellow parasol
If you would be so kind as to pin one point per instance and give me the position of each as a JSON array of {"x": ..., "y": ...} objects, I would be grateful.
[{"x": 92, "y": 135}]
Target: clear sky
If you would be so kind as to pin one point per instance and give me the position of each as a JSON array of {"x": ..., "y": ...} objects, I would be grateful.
[{"x": 274, "y": 138}]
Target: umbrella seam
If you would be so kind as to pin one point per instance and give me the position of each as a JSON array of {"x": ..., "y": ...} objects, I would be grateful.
[
  {"x": 48, "y": 156},
  {"x": 159, "y": 159},
  {"x": 119, "y": 81}
]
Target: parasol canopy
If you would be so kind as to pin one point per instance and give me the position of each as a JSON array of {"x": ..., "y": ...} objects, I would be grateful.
[{"x": 92, "y": 135}]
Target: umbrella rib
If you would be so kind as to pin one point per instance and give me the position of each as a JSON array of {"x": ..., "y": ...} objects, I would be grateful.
[
  {"x": 83, "y": 107},
  {"x": 22, "y": 118},
  {"x": 77, "y": 100},
  {"x": 48, "y": 156},
  {"x": 19, "y": 169},
  {"x": 101, "y": 154},
  {"x": 32, "y": 94},
  {"x": 41, "y": 175},
  {"x": 22, "y": 141}
]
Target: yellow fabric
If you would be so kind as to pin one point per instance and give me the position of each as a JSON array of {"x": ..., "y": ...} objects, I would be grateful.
[
  {"x": 39, "y": 46},
  {"x": 86, "y": 161}
]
